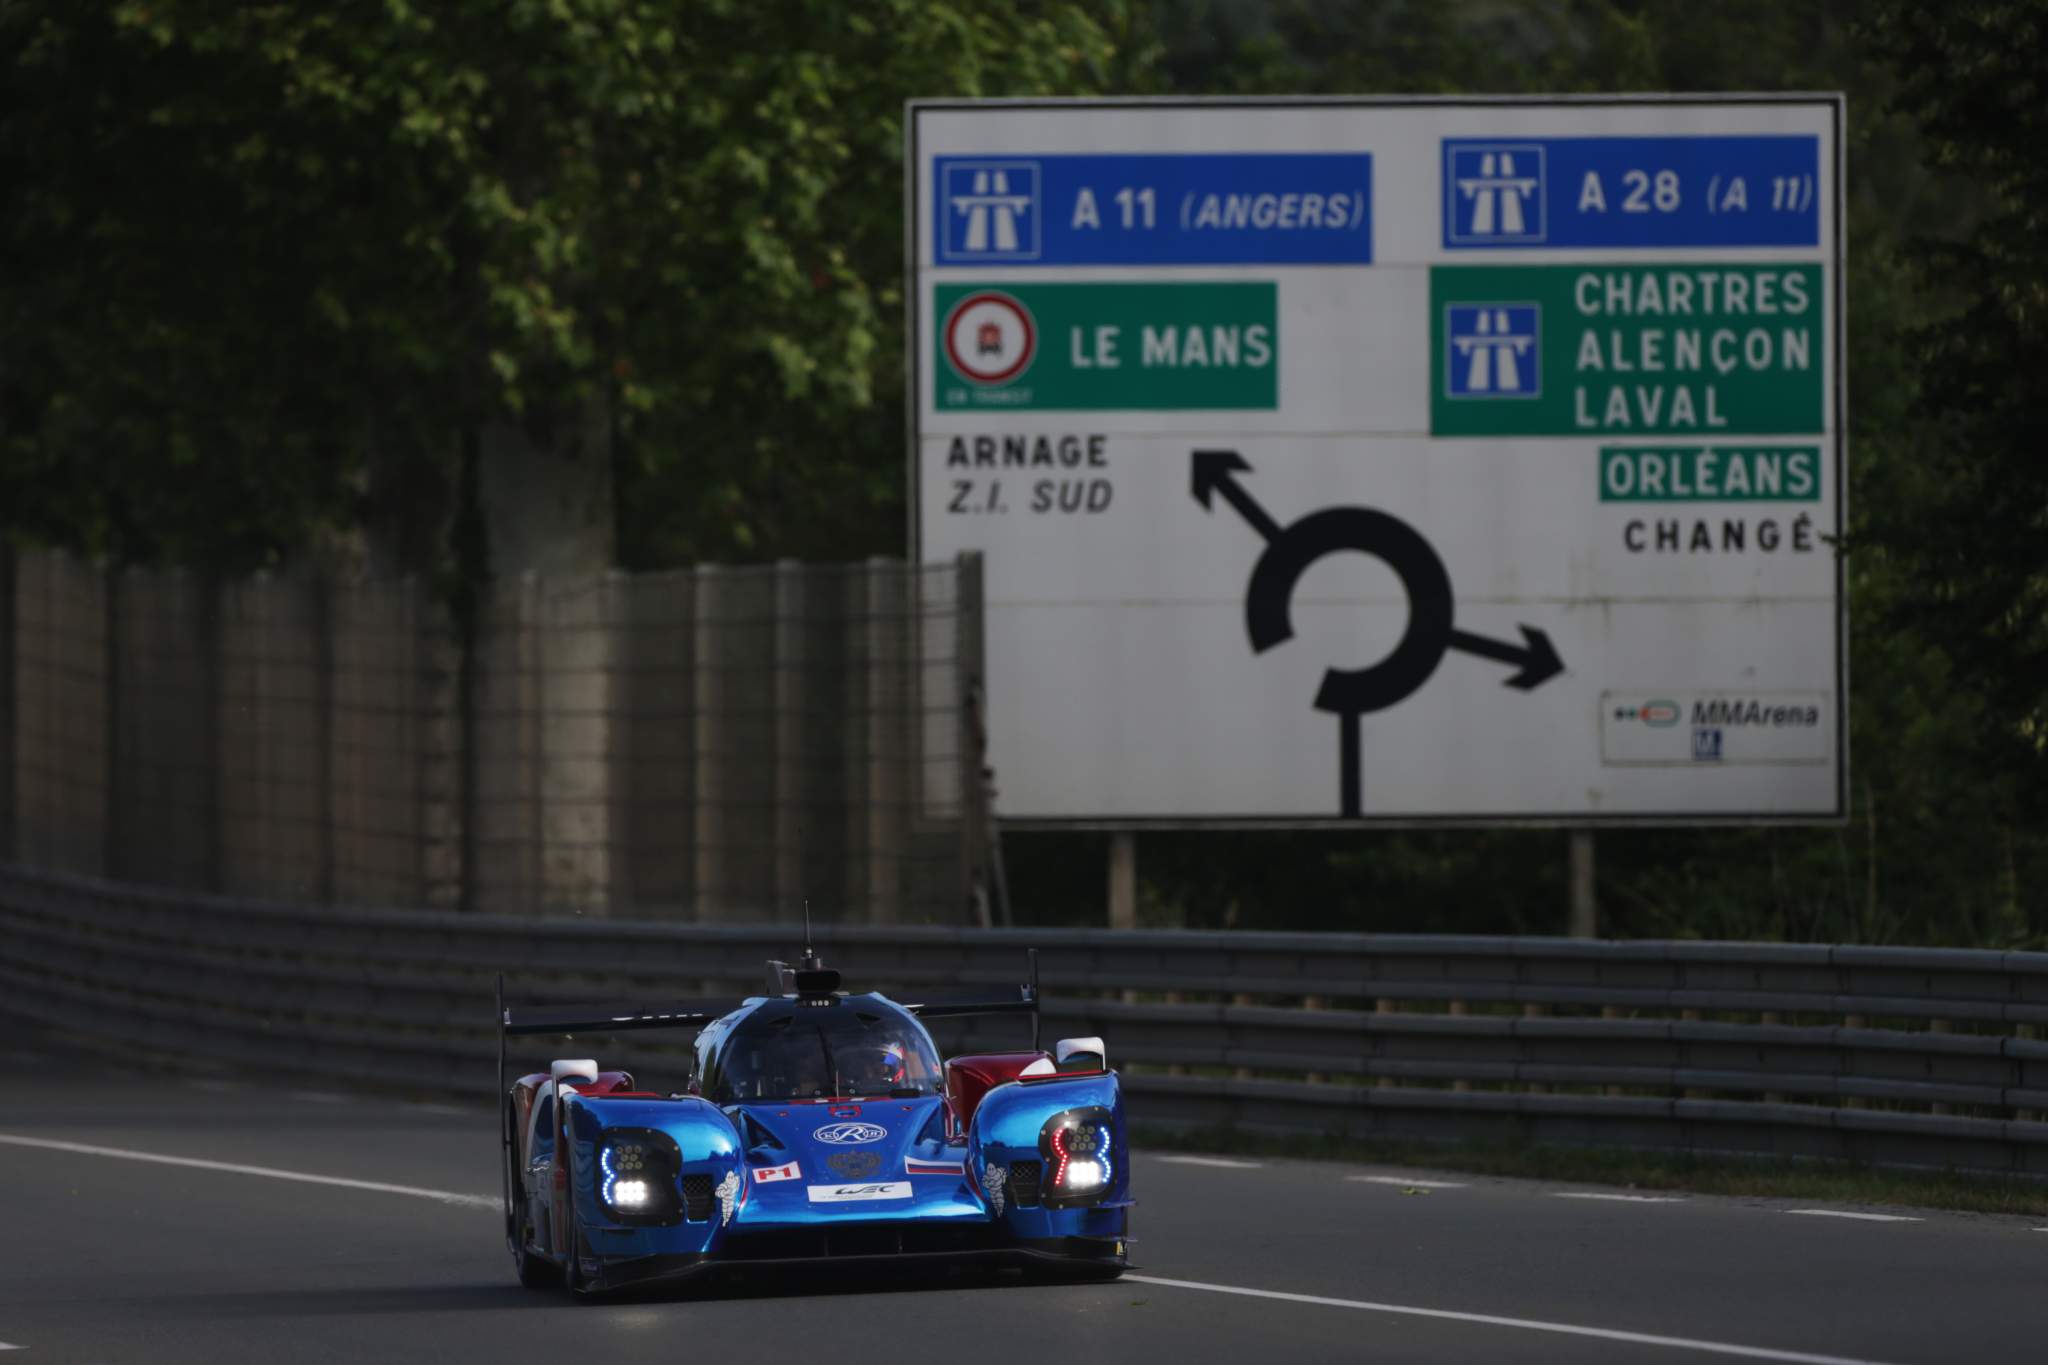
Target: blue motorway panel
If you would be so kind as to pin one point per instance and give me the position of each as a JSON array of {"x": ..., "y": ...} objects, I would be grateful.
[
  {"x": 1307, "y": 208},
  {"x": 1518, "y": 193}
]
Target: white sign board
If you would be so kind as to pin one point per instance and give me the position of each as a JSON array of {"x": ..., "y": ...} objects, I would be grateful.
[{"x": 1460, "y": 461}]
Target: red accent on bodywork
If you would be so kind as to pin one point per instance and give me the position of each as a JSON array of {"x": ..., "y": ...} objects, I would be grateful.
[
  {"x": 523, "y": 1091},
  {"x": 607, "y": 1083},
  {"x": 969, "y": 1078}
]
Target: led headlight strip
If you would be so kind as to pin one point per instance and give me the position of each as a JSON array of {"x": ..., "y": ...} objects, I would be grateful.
[
  {"x": 1079, "y": 1150},
  {"x": 632, "y": 1191},
  {"x": 1082, "y": 1153},
  {"x": 636, "y": 1169}
]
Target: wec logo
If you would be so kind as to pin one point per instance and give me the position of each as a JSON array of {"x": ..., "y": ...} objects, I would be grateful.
[
  {"x": 849, "y": 1134},
  {"x": 850, "y": 1194}
]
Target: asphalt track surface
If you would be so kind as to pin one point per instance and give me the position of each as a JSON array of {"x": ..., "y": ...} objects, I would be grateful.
[{"x": 110, "y": 1259}]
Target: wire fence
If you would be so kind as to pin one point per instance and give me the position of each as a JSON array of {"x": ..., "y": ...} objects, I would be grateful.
[{"x": 705, "y": 743}]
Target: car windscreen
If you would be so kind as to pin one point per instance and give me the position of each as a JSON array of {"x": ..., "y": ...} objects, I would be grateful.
[{"x": 838, "y": 1051}]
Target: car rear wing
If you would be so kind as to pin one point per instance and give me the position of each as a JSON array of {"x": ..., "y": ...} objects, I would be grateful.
[
  {"x": 1023, "y": 1001},
  {"x": 518, "y": 1021}
]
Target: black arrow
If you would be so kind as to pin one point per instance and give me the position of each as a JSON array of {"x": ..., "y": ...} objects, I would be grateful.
[
  {"x": 1538, "y": 658},
  {"x": 1213, "y": 470}
]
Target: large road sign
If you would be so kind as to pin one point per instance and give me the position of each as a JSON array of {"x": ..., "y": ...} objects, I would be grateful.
[{"x": 1403, "y": 461}]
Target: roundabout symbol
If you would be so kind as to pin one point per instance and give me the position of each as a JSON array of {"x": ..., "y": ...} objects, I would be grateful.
[{"x": 1353, "y": 692}]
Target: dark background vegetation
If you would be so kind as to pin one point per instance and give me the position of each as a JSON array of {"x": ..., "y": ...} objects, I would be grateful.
[{"x": 271, "y": 269}]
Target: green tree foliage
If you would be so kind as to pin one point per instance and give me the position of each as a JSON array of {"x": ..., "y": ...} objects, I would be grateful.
[
  {"x": 1966, "y": 541},
  {"x": 271, "y": 264},
  {"x": 253, "y": 244}
]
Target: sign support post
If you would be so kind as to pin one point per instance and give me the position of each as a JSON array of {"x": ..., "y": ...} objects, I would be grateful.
[
  {"x": 1585, "y": 918},
  {"x": 1123, "y": 880}
]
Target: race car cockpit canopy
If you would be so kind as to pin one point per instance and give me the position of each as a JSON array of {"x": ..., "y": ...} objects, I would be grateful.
[{"x": 863, "y": 1047}]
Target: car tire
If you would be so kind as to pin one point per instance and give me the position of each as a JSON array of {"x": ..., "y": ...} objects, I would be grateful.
[{"x": 534, "y": 1272}]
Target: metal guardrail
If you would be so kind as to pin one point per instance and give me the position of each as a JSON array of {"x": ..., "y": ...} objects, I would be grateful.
[{"x": 1898, "y": 1055}]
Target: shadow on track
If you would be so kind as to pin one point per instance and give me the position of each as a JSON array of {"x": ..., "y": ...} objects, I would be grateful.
[
  {"x": 742, "y": 1282},
  {"x": 724, "y": 1285},
  {"x": 360, "y": 1299}
]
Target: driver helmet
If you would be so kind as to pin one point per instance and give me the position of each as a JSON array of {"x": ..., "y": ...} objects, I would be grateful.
[{"x": 876, "y": 1068}]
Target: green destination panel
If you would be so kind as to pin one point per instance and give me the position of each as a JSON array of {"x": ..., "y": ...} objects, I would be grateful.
[
  {"x": 1098, "y": 347},
  {"x": 1726, "y": 473},
  {"x": 1611, "y": 350}
]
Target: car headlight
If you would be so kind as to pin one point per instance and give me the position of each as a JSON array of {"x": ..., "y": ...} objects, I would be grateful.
[
  {"x": 636, "y": 1176},
  {"x": 1078, "y": 1147}
]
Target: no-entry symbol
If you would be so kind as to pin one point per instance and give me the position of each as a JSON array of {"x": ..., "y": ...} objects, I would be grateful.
[{"x": 1354, "y": 692}]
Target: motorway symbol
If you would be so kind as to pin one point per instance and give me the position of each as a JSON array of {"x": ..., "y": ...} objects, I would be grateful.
[
  {"x": 1493, "y": 350},
  {"x": 1353, "y": 692},
  {"x": 1495, "y": 193},
  {"x": 992, "y": 211}
]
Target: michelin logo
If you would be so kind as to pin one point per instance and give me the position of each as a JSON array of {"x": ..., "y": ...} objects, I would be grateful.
[{"x": 992, "y": 211}]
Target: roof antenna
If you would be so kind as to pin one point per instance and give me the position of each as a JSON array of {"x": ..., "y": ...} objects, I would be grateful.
[{"x": 811, "y": 961}]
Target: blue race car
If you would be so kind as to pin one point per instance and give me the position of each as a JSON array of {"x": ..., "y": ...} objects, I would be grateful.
[{"x": 816, "y": 1125}]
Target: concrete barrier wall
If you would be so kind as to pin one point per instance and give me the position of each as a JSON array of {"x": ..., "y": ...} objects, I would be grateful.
[
  {"x": 62, "y": 796},
  {"x": 708, "y": 743}
]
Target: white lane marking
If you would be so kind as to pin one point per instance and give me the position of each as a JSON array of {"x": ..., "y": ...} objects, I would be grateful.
[
  {"x": 1216, "y": 1161},
  {"x": 1403, "y": 1310},
  {"x": 1403, "y": 1180},
  {"x": 1724, "y": 1348},
  {"x": 10, "y": 1346},
  {"x": 1623, "y": 1198},
  {"x": 317, "y": 1097},
  {"x": 87, "y": 1149},
  {"x": 1860, "y": 1217}
]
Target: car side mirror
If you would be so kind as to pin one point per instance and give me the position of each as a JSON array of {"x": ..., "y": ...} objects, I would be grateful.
[{"x": 1080, "y": 1054}]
